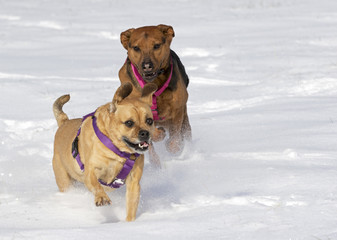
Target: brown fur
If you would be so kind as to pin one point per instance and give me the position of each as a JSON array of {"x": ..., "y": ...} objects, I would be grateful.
[
  {"x": 152, "y": 44},
  {"x": 99, "y": 161}
]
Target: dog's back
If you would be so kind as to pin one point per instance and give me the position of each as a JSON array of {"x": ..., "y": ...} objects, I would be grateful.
[{"x": 181, "y": 67}]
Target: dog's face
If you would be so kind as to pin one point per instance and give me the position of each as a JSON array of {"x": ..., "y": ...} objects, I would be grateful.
[
  {"x": 135, "y": 125},
  {"x": 131, "y": 120},
  {"x": 148, "y": 49}
]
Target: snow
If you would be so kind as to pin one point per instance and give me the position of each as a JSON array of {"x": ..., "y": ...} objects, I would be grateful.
[{"x": 262, "y": 105}]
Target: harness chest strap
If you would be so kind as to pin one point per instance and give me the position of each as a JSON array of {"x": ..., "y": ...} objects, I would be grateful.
[
  {"x": 130, "y": 158},
  {"x": 142, "y": 83}
]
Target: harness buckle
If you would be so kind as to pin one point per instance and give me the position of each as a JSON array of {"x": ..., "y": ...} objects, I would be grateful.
[{"x": 119, "y": 181}]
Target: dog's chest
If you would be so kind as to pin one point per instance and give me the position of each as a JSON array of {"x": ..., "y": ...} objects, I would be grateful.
[
  {"x": 109, "y": 171},
  {"x": 168, "y": 103}
]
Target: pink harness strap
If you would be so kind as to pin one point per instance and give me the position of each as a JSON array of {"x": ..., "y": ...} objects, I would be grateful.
[{"x": 142, "y": 83}]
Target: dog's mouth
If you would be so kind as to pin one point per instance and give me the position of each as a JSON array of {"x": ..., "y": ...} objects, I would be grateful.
[
  {"x": 149, "y": 76},
  {"x": 137, "y": 147}
]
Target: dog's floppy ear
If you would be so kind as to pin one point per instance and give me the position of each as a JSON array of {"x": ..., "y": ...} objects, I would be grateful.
[
  {"x": 122, "y": 92},
  {"x": 125, "y": 37},
  {"x": 167, "y": 31},
  {"x": 147, "y": 92}
]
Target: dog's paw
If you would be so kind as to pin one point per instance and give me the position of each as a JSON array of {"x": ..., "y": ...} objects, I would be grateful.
[
  {"x": 159, "y": 134},
  {"x": 102, "y": 201},
  {"x": 130, "y": 218}
]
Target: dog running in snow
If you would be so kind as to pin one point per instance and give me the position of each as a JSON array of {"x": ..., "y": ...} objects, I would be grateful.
[
  {"x": 108, "y": 149},
  {"x": 150, "y": 60}
]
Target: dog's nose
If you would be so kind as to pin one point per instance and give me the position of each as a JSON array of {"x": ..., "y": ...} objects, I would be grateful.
[
  {"x": 143, "y": 135},
  {"x": 147, "y": 66}
]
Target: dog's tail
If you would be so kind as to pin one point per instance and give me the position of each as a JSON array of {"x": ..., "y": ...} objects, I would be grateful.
[{"x": 60, "y": 116}]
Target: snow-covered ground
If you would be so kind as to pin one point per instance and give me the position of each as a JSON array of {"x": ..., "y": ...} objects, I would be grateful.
[{"x": 263, "y": 110}]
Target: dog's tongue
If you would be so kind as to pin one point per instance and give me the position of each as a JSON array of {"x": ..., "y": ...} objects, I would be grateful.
[{"x": 143, "y": 144}]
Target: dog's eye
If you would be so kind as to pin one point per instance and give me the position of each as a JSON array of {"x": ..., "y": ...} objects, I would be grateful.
[
  {"x": 137, "y": 49},
  {"x": 156, "y": 46},
  {"x": 149, "y": 121},
  {"x": 129, "y": 123}
]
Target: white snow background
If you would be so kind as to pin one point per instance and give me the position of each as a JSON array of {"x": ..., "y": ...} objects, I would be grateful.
[{"x": 263, "y": 110}]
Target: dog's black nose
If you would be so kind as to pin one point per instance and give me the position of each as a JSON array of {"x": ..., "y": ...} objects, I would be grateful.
[
  {"x": 143, "y": 135},
  {"x": 147, "y": 66}
]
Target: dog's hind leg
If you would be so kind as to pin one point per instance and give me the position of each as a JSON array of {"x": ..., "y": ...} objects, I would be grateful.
[
  {"x": 63, "y": 180},
  {"x": 186, "y": 130},
  {"x": 175, "y": 143}
]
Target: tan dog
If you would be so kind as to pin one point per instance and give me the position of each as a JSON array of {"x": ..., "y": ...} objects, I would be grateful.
[
  {"x": 127, "y": 122},
  {"x": 150, "y": 58}
]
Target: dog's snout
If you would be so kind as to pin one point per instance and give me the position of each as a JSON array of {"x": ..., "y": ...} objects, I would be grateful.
[
  {"x": 147, "y": 66},
  {"x": 143, "y": 135}
]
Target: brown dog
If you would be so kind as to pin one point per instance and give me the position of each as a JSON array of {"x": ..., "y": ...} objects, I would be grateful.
[
  {"x": 126, "y": 122},
  {"x": 150, "y": 59}
]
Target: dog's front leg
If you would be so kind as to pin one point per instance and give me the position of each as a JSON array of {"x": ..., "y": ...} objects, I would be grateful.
[
  {"x": 133, "y": 189},
  {"x": 158, "y": 134},
  {"x": 91, "y": 182},
  {"x": 154, "y": 157}
]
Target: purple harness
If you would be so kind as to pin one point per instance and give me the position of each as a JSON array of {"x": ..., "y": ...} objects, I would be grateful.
[{"x": 130, "y": 158}]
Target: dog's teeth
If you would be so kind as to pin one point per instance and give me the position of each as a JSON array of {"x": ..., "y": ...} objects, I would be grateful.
[{"x": 143, "y": 145}]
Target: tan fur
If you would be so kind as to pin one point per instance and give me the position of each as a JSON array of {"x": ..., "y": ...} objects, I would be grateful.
[
  {"x": 172, "y": 102},
  {"x": 99, "y": 161},
  {"x": 60, "y": 116}
]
